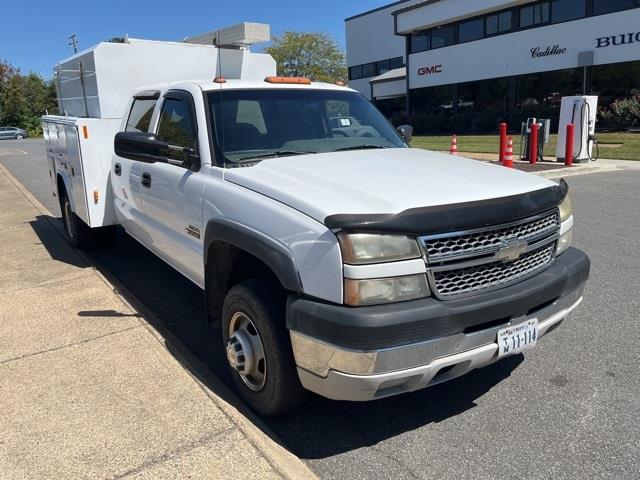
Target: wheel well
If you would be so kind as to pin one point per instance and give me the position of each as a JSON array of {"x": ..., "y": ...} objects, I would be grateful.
[
  {"x": 62, "y": 190},
  {"x": 228, "y": 265}
]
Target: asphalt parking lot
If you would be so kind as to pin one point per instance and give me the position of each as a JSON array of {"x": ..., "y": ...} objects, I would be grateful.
[{"x": 566, "y": 409}]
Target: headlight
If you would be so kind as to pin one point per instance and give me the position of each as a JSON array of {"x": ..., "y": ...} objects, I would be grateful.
[
  {"x": 363, "y": 248},
  {"x": 566, "y": 226},
  {"x": 566, "y": 210},
  {"x": 385, "y": 290}
]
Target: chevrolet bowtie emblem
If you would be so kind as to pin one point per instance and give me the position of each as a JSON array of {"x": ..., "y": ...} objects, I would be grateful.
[{"x": 511, "y": 250}]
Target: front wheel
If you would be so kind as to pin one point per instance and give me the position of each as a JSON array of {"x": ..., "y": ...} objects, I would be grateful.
[
  {"x": 258, "y": 348},
  {"x": 19, "y": 136}
]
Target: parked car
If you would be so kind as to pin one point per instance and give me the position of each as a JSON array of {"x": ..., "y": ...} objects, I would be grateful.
[{"x": 14, "y": 133}]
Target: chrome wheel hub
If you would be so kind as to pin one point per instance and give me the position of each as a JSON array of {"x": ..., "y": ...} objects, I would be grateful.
[{"x": 245, "y": 352}]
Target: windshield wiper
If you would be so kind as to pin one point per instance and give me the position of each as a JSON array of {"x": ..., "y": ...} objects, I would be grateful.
[
  {"x": 368, "y": 146},
  {"x": 278, "y": 153}
]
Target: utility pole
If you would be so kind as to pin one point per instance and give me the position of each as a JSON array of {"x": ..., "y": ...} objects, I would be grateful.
[{"x": 73, "y": 42}]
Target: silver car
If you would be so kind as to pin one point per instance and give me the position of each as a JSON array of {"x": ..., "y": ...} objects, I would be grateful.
[{"x": 13, "y": 133}]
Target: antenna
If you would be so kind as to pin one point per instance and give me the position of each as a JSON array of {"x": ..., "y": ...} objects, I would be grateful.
[{"x": 73, "y": 42}]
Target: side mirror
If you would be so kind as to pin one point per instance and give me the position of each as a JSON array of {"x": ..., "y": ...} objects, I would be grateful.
[
  {"x": 140, "y": 146},
  {"x": 407, "y": 132},
  {"x": 146, "y": 147}
]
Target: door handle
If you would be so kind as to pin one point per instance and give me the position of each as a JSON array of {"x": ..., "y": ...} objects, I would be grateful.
[
  {"x": 117, "y": 169},
  {"x": 146, "y": 180}
]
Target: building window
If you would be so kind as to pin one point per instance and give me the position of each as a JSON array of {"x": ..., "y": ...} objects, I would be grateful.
[
  {"x": 420, "y": 42},
  {"x": 442, "y": 36},
  {"x": 499, "y": 23},
  {"x": 368, "y": 70},
  {"x": 471, "y": 30},
  {"x": 608, "y": 6},
  {"x": 564, "y": 10},
  {"x": 355, "y": 72},
  {"x": 537, "y": 14},
  {"x": 397, "y": 62},
  {"x": 383, "y": 67}
]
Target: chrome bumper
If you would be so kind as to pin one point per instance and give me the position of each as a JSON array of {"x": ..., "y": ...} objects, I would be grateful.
[{"x": 343, "y": 374}]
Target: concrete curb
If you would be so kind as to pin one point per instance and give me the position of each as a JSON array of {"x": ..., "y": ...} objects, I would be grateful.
[{"x": 266, "y": 443}]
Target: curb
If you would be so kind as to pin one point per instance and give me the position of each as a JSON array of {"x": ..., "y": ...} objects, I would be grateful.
[{"x": 250, "y": 425}]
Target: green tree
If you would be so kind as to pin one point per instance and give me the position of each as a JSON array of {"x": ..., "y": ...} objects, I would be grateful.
[
  {"x": 24, "y": 99},
  {"x": 6, "y": 72},
  {"x": 313, "y": 55},
  {"x": 14, "y": 102}
]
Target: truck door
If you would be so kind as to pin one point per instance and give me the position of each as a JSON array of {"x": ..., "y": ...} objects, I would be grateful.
[
  {"x": 126, "y": 174},
  {"x": 172, "y": 192}
]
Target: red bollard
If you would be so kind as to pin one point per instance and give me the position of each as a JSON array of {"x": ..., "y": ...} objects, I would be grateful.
[
  {"x": 503, "y": 142},
  {"x": 533, "y": 144},
  {"x": 568, "y": 151}
]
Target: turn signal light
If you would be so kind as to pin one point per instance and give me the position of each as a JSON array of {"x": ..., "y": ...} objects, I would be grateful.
[
  {"x": 292, "y": 80},
  {"x": 219, "y": 80},
  {"x": 96, "y": 197}
]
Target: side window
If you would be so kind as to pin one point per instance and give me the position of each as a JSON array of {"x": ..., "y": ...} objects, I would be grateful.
[
  {"x": 140, "y": 116},
  {"x": 177, "y": 127}
]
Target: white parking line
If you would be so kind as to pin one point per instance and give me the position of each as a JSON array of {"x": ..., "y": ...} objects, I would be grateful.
[{"x": 22, "y": 151}]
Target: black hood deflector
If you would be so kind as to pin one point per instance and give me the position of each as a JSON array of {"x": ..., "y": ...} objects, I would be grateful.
[{"x": 454, "y": 217}]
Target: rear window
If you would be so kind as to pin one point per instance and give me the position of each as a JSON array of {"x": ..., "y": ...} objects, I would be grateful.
[{"x": 140, "y": 116}]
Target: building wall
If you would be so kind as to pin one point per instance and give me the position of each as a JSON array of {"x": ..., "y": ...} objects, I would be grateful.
[
  {"x": 371, "y": 38},
  {"x": 513, "y": 54},
  {"x": 445, "y": 11}
]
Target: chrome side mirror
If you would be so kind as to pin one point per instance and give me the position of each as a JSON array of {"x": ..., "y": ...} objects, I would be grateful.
[{"x": 407, "y": 132}]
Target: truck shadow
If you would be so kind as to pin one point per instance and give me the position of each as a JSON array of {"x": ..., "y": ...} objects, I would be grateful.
[{"x": 321, "y": 427}]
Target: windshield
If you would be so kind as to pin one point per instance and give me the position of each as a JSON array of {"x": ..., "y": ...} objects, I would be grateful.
[{"x": 253, "y": 125}]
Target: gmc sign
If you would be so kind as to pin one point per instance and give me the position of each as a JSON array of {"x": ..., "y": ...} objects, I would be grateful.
[{"x": 430, "y": 70}]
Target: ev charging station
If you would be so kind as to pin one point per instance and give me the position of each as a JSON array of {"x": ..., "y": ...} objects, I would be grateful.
[{"x": 581, "y": 111}]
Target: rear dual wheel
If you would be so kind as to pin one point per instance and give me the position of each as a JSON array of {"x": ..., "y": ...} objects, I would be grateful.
[{"x": 78, "y": 233}]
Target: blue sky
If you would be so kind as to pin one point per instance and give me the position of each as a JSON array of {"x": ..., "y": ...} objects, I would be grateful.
[{"x": 34, "y": 35}]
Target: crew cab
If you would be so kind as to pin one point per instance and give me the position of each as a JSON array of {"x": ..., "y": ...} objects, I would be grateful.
[{"x": 335, "y": 258}]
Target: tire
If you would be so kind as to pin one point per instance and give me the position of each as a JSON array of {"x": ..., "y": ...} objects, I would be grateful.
[
  {"x": 19, "y": 136},
  {"x": 77, "y": 233},
  {"x": 276, "y": 390}
]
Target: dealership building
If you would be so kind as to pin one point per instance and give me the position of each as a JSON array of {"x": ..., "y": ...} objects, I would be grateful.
[{"x": 457, "y": 55}]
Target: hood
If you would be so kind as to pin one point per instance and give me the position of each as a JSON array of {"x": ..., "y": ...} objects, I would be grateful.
[{"x": 385, "y": 181}]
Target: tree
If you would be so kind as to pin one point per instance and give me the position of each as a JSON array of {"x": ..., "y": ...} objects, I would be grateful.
[
  {"x": 6, "y": 72},
  {"x": 14, "y": 102},
  {"x": 24, "y": 99},
  {"x": 313, "y": 55}
]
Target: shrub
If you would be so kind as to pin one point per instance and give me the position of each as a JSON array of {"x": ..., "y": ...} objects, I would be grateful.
[{"x": 624, "y": 113}]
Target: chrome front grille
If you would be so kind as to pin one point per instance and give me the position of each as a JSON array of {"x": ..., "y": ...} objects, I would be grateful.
[
  {"x": 456, "y": 246},
  {"x": 471, "y": 279},
  {"x": 466, "y": 263}
]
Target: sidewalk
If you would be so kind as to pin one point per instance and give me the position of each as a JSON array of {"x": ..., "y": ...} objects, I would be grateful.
[{"x": 89, "y": 389}]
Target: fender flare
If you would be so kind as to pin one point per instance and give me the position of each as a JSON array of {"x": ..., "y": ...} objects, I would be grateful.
[{"x": 273, "y": 253}]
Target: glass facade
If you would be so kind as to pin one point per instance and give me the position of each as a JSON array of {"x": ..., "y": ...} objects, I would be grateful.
[
  {"x": 531, "y": 15},
  {"x": 373, "y": 69},
  {"x": 519, "y": 96}
]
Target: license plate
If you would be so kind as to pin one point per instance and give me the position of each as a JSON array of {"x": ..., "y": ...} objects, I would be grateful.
[{"x": 512, "y": 340}]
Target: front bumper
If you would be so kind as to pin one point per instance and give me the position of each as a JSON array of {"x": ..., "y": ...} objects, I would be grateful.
[{"x": 367, "y": 353}]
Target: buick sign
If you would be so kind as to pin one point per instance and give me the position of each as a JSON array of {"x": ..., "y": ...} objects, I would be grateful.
[{"x": 617, "y": 40}]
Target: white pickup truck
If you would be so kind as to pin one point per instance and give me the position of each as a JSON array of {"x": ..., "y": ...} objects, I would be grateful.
[{"x": 335, "y": 258}]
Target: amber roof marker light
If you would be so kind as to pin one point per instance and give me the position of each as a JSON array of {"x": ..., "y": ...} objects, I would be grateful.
[{"x": 290, "y": 80}]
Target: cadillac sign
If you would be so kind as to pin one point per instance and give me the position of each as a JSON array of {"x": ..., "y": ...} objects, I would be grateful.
[{"x": 538, "y": 52}]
